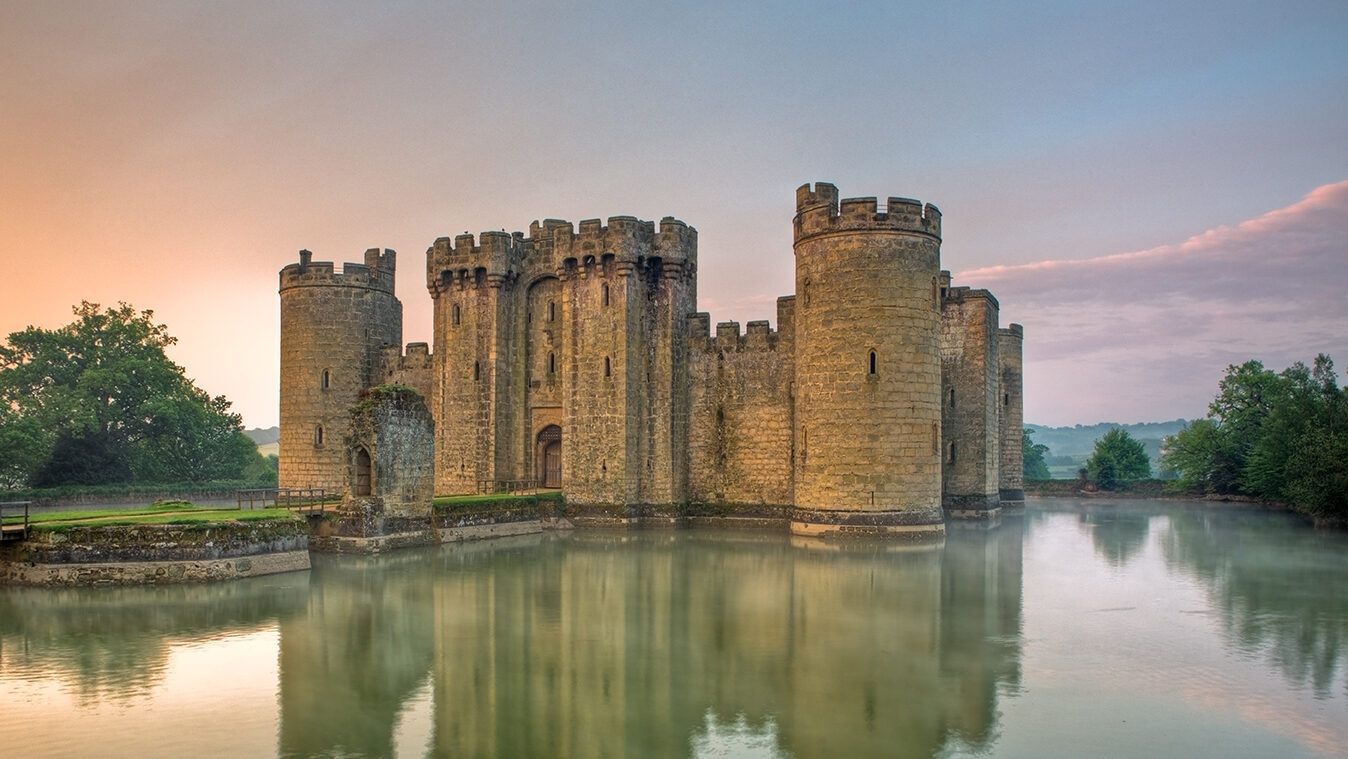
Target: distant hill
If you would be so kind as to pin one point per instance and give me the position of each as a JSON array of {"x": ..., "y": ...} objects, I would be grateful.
[
  {"x": 1069, "y": 447},
  {"x": 264, "y": 436},
  {"x": 267, "y": 440}
]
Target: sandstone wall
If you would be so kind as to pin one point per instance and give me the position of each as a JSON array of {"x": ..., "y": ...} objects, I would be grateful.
[
  {"x": 740, "y": 439},
  {"x": 1012, "y": 420},
  {"x": 334, "y": 328},
  {"x": 970, "y": 378},
  {"x": 414, "y": 369},
  {"x": 867, "y": 441},
  {"x": 393, "y": 427}
]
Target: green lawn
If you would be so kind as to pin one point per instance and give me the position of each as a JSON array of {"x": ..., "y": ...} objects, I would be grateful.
[
  {"x": 176, "y": 512},
  {"x": 494, "y": 499}
]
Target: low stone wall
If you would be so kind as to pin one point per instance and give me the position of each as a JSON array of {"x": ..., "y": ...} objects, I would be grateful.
[
  {"x": 154, "y": 554},
  {"x": 151, "y": 572}
]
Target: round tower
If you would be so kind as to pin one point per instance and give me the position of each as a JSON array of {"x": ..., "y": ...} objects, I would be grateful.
[
  {"x": 1011, "y": 421},
  {"x": 334, "y": 326},
  {"x": 868, "y": 365}
]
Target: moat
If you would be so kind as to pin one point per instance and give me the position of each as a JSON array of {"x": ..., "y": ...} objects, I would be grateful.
[{"x": 1137, "y": 628}]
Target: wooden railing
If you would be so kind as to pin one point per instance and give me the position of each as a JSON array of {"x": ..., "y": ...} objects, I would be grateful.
[
  {"x": 522, "y": 487},
  {"x": 14, "y": 520},
  {"x": 302, "y": 500}
]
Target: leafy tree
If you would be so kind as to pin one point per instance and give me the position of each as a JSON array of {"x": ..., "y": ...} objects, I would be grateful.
[
  {"x": 1117, "y": 458},
  {"x": 1276, "y": 436},
  {"x": 98, "y": 401},
  {"x": 1032, "y": 457}
]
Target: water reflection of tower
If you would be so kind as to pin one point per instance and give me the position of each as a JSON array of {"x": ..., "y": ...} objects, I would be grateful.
[{"x": 358, "y": 652}]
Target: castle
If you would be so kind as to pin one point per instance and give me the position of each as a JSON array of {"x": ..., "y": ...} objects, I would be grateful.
[{"x": 886, "y": 400}]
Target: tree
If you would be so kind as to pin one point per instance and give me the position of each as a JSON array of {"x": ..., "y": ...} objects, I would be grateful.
[
  {"x": 99, "y": 401},
  {"x": 1116, "y": 459},
  {"x": 1032, "y": 457}
]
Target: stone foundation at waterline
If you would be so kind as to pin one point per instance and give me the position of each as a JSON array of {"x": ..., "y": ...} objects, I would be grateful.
[{"x": 155, "y": 554}]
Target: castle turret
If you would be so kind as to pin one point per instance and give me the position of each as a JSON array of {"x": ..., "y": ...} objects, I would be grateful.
[
  {"x": 1012, "y": 418},
  {"x": 334, "y": 328},
  {"x": 867, "y": 366},
  {"x": 970, "y": 416}
]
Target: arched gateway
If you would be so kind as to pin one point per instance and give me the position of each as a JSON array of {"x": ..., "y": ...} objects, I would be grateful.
[{"x": 549, "y": 456}]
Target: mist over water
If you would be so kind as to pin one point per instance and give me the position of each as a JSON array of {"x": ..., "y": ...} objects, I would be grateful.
[{"x": 1123, "y": 628}]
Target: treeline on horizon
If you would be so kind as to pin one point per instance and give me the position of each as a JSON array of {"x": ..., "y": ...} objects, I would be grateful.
[{"x": 97, "y": 402}]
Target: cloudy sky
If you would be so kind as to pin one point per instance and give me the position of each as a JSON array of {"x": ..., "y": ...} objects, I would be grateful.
[{"x": 1154, "y": 191}]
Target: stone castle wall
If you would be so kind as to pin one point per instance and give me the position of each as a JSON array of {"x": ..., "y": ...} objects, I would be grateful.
[
  {"x": 335, "y": 326},
  {"x": 970, "y": 376},
  {"x": 741, "y": 441},
  {"x": 1012, "y": 421}
]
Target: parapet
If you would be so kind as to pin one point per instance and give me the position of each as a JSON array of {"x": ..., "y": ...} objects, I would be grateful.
[
  {"x": 819, "y": 211},
  {"x": 623, "y": 240},
  {"x": 1014, "y": 331},
  {"x": 376, "y": 273},
  {"x": 960, "y": 294},
  {"x": 489, "y": 259},
  {"x": 759, "y": 337}
]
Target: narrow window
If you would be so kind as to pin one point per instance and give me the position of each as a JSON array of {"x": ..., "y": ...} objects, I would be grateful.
[
  {"x": 605, "y": 292},
  {"x": 318, "y": 435},
  {"x": 477, "y": 370},
  {"x": 326, "y": 381},
  {"x": 952, "y": 397},
  {"x": 552, "y": 311},
  {"x": 952, "y": 452},
  {"x": 552, "y": 363},
  {"x": 873, "y": 363},
  {"x": 456, "y": 315},
  {"x": 607, "y": 368},
  {"x": 1006, "y": 399}
]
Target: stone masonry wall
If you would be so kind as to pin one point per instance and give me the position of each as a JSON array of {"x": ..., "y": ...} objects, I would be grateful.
[
  {"x": 740, "y": 422},
  {"x": 415, "y": 368},
  {"x": 1012, "y": 419},
  {"x": 338, "y": 323},
  {"x": 867, "y": 281},
  {"x": 393, "y": 427},
  {"x": 970, "y": 378}
]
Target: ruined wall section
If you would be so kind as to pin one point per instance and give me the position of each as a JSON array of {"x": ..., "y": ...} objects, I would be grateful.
[
  {"x": 970, "y": 379},
  {"x": 472, "y": 285},
  {"x": 867, "y": 441},
  {"x": 740, "y": 439},
  {"x": 334, "y": 329},
  {"x": 392, "y": 427},
  {"x": 1010, "y": 342}
]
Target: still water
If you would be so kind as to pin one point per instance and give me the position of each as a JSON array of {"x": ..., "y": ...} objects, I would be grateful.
[{"x": 1080, "y": 629}]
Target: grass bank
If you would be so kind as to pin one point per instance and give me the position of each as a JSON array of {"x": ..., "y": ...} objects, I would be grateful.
[
  {"x": 495, "y": 500},
  {"x": 174, "y": 512}
]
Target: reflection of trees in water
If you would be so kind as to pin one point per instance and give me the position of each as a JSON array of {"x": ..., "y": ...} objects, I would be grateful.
[
  {"x": 1118, "y": 534},
  {"x": 633, "y": 644},
  {"x": 358, "y": 652},
  {"x": 114, "y": 642},
  {"x": 1280, "y": 586}
]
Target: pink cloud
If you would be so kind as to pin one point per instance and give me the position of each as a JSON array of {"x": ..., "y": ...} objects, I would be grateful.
[{"x": 1145, "y": 335}]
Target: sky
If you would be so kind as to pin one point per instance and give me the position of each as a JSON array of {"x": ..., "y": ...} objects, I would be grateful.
[{"x": 1154, "y": 190}]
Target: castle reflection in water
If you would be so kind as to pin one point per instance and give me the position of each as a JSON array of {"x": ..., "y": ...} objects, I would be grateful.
[{"x": 620, "y": 645}]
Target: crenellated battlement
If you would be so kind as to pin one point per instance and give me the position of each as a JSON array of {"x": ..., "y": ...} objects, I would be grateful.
[
  {"x": 489, "y": 259},
  {"x": 759, "y": 336},
  {"x": 376, "y": 273},
  {"x": 1014, "y": 331},
  {"x": 492, "y": 258},
  {"x": 416, "y": 356},
  {"x": 819, "y": 211},
  {"x": 961, "y": 294}
]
